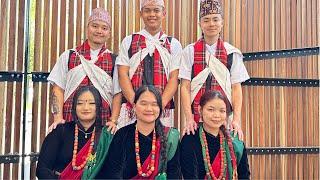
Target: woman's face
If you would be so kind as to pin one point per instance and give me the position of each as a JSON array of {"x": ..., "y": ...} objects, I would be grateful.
[
  {"x": 86, "y": 107},
  {"x": 211, "y": 25},
  {"x": 214, "y": 113},
  {"x": 147, "y": 108}
]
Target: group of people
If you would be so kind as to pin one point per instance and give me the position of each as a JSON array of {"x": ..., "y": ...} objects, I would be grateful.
[{"x": 113, "y": 115}]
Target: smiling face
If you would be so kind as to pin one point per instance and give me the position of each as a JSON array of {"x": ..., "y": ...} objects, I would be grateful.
[
  {"x": 214, "y": 113},
  {"x": 147, "y": 108},
  {"x": 86, "y": 107},
  {"x": 98, "y": 32},
  {"x": 211, "y": 25},
  {"x": 152, "y": 16}
]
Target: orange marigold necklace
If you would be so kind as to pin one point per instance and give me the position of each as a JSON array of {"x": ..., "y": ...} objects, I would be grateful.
[
  {"x": 75, "y": 149},
  {"x": 151, "y": 165}
]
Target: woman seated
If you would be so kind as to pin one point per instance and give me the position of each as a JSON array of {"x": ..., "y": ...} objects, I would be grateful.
[
  {"x": 71, "y": 146},
  {"x": 145, "y": 149},
  {"x": 212, "y": 152}
]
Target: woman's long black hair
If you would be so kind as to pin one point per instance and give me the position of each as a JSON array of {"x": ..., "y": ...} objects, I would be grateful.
[
  {"x": 159, "y": 127},
  {"x": 98, "y": 102}
]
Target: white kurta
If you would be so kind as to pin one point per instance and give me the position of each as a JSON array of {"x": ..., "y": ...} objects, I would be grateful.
[
  {"x": 237, "y": 74},
  {"x": 171, "y": 62},
  {"x": 69, "y": 80}
]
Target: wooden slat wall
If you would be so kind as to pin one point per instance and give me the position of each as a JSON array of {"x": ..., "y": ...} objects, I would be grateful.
[
  {"x": 3, "y": 60},
  {"x": 271, "y": 116},
  {"x": 280, "y": 116},
  {"x": 11, "y": 59}
]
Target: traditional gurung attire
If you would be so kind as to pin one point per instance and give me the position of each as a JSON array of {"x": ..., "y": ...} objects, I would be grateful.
[
  {"x": 83, "y": 66},
  {"x": 151, "y": 59},
  {"x": 70, "y": 152},
  {"x": 56, "y": 155},
  {"x": 121, "y": 160},
  {"x": 211, "y": 67},
  {"x": 193, "y": 153}
]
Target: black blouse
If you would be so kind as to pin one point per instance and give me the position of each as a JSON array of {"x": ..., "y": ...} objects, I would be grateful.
[
  {"x": 192, "y": 164},
  {"x": 120, "y": 162},
  {"x": 57, "y": 150}
]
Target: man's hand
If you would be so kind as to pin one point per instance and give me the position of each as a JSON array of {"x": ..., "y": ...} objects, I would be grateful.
[
  {"x": 236, "y": 128},
  {"x": 112, "y": 127},
  {"x": 191, "y": 126},
  {"x": 55, "y": 124}
]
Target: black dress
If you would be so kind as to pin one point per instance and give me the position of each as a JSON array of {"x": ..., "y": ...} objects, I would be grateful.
[
  {"x": 120, "y": 162},
  {"x": 57, "y": 150},
  {"x": 191, "y": 159}
]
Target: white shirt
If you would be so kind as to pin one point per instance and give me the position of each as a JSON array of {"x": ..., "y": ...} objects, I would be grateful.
[
  {"x": 58, "y": 74},
  {"x": 94, "y": 53},
  {"x": 175, "y": 48},
  {"x": 238, "y": 70}
]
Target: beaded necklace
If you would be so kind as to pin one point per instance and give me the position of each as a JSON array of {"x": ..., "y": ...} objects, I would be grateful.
[
  {"x": 206, "y": 156},
  {"x": 151, "y": 165},
  {"x": 75, "y": 149}
]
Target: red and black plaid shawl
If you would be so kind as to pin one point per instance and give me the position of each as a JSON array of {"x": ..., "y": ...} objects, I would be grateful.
[
  {"x": 159, "y": 76},
  {"x": 200, "y": 64},
  {"x": 105, "y": 62}
]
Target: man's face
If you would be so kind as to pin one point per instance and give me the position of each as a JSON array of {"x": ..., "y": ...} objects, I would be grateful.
[
  {"x": 152, "y": 16},
  {"x": 211, "y": 25},
  {"x": 98, "y": 32}
]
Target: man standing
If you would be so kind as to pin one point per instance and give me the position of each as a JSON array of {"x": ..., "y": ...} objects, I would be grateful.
[
  {"x": 149, "y": 57},
  {"x": 90, "y": 64},
  {"x": 211, "y": 64}
]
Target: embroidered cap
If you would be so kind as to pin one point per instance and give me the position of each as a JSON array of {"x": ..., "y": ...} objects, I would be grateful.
[
  {"x": 100, "y": 14},
  {"x": 144, "y": 3},
  {"x": 209, "y": 7}
]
